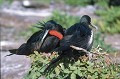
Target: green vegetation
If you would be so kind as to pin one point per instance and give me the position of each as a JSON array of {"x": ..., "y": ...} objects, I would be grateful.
[
  {"x": 72, "y": 68},
  {"x": 29, "y": 32},
  {"x": 77, "y": 2},
  {"x": 2, "y": 1},
  {"x": 86, "y": 2},
  {"x": 103, "y": 3},
  {"x": 43, "y": 2},
  {"x": 110, "y": 20},
  {"x": 64, "y": 19}
]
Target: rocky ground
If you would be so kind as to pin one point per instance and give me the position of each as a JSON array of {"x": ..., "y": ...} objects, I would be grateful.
[
  {"x": 13, "y": 67},
  {"x": 14, "y": 21}
]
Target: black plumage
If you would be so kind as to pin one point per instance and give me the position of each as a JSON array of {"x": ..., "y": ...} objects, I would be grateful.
[
  {"x": 41, "y": 41},
  {"x": 79, "y": 35}
]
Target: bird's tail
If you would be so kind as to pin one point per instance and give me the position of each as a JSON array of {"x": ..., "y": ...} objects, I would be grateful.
[
  {"x": 22, "y": 50},
  {"x": 52, "y": 63},
  {"x": 12, "y": 51},
  {"x": 61, "y": 51}
]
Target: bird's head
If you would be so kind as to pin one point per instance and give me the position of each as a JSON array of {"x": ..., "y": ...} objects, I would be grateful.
[
  {"x": 87, "y": 20},
  {"x": 52, "y": 28},
  {"x": 50, "y": 25}
]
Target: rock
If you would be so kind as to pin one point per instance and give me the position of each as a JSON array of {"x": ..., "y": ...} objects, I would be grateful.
[
  {"x": 14, "y": 67},
  {"x": 34, "y": 4},
  {"x": 113, "y": 40},
  {"x": 11, "y": 38},
  {"x": 7, "y": 45},
  {"x": 17, "y": 15},
  {"x": 10, "y": 17},
  {"x": 87, "y": 10},
  {"x": 15, "y": 5}
]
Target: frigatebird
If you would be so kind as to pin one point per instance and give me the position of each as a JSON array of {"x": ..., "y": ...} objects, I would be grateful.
[
  {"x": 44, "y": 40},
  {"x": 80, "y": 35}
]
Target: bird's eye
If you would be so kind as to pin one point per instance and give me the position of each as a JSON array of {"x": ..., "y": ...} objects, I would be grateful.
[{"x": 50, "y": 26}]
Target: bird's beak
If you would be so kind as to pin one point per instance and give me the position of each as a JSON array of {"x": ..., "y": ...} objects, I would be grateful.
[
  {"x": 94, "y": 26},
  {"x": 45, "y": 34}
]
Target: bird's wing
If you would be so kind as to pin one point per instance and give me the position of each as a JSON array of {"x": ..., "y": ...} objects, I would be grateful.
[
  {"x": 35, "y": 37},
  {"x": 72, "y": 29},
  {"x": 64, "y": 44},
  {"x": 76, "y": 40},
  {"x": 80, "y": 41}
]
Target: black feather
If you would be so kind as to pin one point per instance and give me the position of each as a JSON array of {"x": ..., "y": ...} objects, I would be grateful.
[
  {"x": 34, "y": 42},
  {"x": 77, "y": 35}
]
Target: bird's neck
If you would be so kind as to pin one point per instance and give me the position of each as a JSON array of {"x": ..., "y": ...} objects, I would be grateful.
[
  {"x": 56, "y": 34},
  {"x": 84, "y": 23},
  {"x": 91, "y": 38}
]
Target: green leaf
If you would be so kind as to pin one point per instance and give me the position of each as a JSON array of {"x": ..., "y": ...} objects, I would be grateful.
[
  {"x": 57, "y": 71},
  {"x": 62, "y": 66},
  {"x": 36, "y": 53},
  {"x": 79, "y": 72},
  {"x": 73, "y": 67},
  {"x": 77, "y": 63},
  {"x": 67, "y": 71},
  {"x": 73, "y": 76}
]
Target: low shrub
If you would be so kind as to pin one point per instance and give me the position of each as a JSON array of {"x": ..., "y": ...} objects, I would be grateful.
[{"x": 70, "y": 68}]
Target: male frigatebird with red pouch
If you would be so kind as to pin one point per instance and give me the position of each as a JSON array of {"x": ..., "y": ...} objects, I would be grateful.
[{"x": 45, "y": 40}]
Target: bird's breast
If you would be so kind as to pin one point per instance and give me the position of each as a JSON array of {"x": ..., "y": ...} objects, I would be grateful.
[
  {"x": 91, "y": 38},
  {"x": 56, "y": 34}
]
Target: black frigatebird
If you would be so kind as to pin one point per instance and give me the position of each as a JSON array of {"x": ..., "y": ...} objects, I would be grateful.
[
  {"x": 44, "y": 40},
  {"x": 80, "y": 35}
]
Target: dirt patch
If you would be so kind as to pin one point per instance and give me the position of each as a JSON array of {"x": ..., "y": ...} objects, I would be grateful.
[{"x": 113, "y": 40}]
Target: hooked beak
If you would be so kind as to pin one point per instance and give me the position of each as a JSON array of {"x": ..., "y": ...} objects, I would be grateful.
[
  {"x": 94, "y": 26},
  {"x": 45, "y": 34}
]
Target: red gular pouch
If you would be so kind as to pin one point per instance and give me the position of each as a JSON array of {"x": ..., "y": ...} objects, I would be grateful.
[{"x": 56, "y": 33}]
